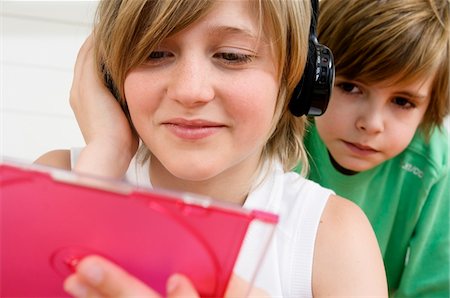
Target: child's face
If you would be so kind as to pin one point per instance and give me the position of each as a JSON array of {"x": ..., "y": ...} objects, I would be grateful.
[
  {"x": 203, "y": 103},
  {"x": 366, "y": 125}
]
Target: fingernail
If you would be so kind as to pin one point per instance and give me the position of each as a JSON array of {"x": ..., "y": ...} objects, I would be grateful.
[
  {"x": 172, "y": 283},
  {"x": 92, "y": 272},
  {"x": 75, "y": 289}
]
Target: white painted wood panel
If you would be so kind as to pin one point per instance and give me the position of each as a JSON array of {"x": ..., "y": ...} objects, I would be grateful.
[{"x": 39, "y": 44}]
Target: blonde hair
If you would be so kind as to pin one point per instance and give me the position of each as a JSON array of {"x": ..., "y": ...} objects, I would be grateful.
[
  {"x": 406, "y": 40},
  {"x": 127, "y": 30}
]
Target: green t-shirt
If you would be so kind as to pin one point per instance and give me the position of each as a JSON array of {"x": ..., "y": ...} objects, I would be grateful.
[{"x": 407, "y": 200}]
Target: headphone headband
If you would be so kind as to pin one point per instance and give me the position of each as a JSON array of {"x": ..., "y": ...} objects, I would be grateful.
[{"x": 312, "y": 93}]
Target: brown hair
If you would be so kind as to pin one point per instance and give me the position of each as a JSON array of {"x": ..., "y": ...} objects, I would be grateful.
[
  {"x": 128, "y": 30},
  {"x": 377, "y": 40}
]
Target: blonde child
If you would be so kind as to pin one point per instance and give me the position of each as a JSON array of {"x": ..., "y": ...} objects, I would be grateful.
[{"x": 205, "y": 86}]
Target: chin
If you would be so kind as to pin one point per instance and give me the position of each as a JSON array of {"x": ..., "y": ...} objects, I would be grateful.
[
  {"x": 358, "y": 166},
  {"x": 192, "y": 173}
]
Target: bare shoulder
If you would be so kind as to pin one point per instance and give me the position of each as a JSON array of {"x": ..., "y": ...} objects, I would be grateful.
[
  {"x": 55, "y": 158},
  {"x": 344, "y": 225},
  {"x": 347, "y": 258},
  {"x": 344, "y": 213}
]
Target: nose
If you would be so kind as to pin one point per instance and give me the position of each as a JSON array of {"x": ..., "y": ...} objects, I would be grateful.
[
  {"x": 191, "y": 82},
  {"x": 370, "y": 120}
]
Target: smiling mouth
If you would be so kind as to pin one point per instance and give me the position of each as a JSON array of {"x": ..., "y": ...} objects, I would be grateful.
[{"x": 193, "y": 130}]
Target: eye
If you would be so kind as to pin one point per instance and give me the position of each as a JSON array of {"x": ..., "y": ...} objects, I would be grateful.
[
  {"x": 403, "y": 103},
  {"x": 348, "y": 87},
  {"x": 158, "y": 55},
  {"x": 234, "y": 58}
]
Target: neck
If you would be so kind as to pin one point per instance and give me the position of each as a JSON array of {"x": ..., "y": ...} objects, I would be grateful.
[
  {"x": 340, "y": 168},
  {"x": 231, "y": 185}
]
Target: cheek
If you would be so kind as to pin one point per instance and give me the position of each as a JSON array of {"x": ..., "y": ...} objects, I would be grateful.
[
  {"x": 400, "y": 129},
  {"x": 337, "y": 110},
  {"x": 138, "y": 93},
  {"x": 132, "y": 89},
  {"x": 399, "y": 138},
  {"x": 252, "y": 104},
  {"x": 332, "y": 121}
]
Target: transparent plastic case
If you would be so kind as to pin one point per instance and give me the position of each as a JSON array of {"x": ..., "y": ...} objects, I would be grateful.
[{"x": 50, "y": 219}]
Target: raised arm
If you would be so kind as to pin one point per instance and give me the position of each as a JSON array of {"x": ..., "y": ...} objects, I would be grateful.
[{"x": 110, "y": 144}]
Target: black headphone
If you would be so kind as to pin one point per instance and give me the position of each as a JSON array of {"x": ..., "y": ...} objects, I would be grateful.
[{"x": 312, "y": 93}]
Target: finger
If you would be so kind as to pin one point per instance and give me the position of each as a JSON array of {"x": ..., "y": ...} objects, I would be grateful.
[
  {"x": 109, "y": 280},
  {"x": 81, "y": 64},
  {"x": 77, "y": 288},
  {"x": 83, "y": 53},
  {"x": 180, "y": 286},
  {"x": 86, "y": 48},
  {"x": 239, "y": 287}
]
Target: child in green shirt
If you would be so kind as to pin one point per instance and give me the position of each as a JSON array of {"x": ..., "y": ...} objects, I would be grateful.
[{"x": 381, "y": 142}]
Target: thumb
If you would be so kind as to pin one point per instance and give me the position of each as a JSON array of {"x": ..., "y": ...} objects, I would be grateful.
[{"x": 179, "y": 286}]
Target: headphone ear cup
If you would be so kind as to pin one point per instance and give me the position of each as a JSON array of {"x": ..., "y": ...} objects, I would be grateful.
[{"x": 312, "y": 93}]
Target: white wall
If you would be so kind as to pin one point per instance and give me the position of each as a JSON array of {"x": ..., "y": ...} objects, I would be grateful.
[{"x": 39, "y": 44}]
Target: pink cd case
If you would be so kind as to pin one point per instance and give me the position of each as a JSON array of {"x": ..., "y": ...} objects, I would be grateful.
[{"x": 50, "y": 219}]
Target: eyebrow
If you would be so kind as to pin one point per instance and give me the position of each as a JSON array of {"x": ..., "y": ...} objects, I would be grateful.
[
  {"x": 413, "y": 95},
  {"x": 221, "y": 30}
]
